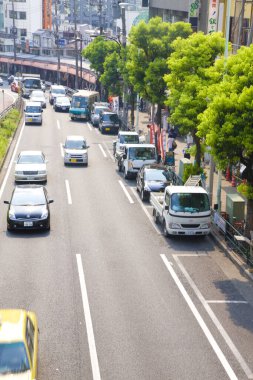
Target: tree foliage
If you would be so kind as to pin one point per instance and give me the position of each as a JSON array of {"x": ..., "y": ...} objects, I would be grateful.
[
  {"x": 189, "y": 80},
  {"x": 111, "y": 77}
]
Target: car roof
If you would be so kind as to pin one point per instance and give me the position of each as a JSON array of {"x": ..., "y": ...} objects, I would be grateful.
[
  {"x": 39, "y": 91},
  {"x": 33, "y": 104},
  {"x": 128, "y": 133},
  {"x": 55, "y": 86},
  {"x": 186, "y": 189},
  {"x": 74, "y": 137},
  {"x": 12, "y": 325},
  {"x": 28, "y": 188},
  {"x": 109, "y": 113},
  {"x": 30, "y": 152}
]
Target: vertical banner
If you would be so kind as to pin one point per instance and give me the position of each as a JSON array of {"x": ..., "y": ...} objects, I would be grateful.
[
  {"x": 152, "y": 134},
  {"x": 213, "y": 16},
  {"x": 164, "y": 141},
  {"x": 115, "y": 104},
  {"x": 194, "y": 6}
]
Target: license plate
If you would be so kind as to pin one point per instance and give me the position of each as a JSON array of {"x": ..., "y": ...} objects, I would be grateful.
[
  {"x": 190, "y": 233},
  {"x": 64, "y": 108},
  {"x": 30, "y": 120},
  {"x": 107, "y": 129},
  {"x": 31, "y": 178},
  {"x": 73, "y": 160},
  {"x": 28, "y": 224}
]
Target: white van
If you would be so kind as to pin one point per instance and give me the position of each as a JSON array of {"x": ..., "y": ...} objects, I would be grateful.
[
  {"x": 55, "y": 92},
  {"x": 33, "y": 113},
  {"x": 135, "y": 156}
]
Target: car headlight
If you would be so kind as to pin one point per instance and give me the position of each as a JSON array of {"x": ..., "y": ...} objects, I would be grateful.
[
  {"x": 18, "y": 172},
  {"x": 174, "y": 225},
  {"x": 44, "y": 213},
  {"x": 12, "y": 213},
  {"x": 205, "y": 225},
  {"x": 42, "y": 172},
  {"x": 130, "y": 165},
  {"x": 67, "y": 155}
]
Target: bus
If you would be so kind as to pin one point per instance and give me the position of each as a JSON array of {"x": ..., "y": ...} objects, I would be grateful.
[{"x": 81, "y": 104}]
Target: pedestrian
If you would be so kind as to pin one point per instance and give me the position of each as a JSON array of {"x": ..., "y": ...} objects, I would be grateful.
[{"x": 170, "y": 142}]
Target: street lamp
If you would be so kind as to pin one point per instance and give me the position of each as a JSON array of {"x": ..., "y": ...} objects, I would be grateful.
[
  {"x": 125, "y": 89},
  {"x": 57, "y": 41}
]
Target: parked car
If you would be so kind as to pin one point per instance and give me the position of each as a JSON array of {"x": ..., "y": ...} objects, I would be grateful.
[
  {"x": 62, "y": 103},
  {"x": 18, "y": 344},
  {"x": 31, "y": 166},
  {"x": 109, "y": 122},
  {"x": 15, "y": 86},
  {"x": 28, "y": 208},
  {"x": 56, "y": 91},
  {"x": 153, "y": 177},
  {"x": 33, "y": 113},
  {"x": 124, "y": 138},
  {"x": 1, "y": 82},
  {"x": 38, "y": 96},
  {"x": 10, "y": 79},
  {"x": 96, "y": 111},
  {"x": 75, "y": 150}
]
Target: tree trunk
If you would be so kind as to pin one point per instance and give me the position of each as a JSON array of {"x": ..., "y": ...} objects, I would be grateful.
[
  {"x": 158, "y": 118},
  {"x": 198, "y": 149},
  {"x": 249, "y": 217}
]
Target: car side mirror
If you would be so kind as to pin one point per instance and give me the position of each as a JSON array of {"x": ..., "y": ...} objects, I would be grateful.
[
  {"x": 166, "y": 207},
  {"x": 124, "y": 156},
  {"x": 7, "y": 202},
  {"x": 50, "y": 201}
]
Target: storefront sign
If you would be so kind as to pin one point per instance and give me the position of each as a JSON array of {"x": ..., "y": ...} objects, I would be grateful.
[
  {"x": 194, "y": 6},
  {"x": 213, "y": 16}
]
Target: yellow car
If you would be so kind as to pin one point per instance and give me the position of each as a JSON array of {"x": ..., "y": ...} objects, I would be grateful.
[{"x": 18, "y": 344}]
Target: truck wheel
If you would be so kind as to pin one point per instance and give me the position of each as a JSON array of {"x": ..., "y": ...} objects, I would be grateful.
[
  {"x": 119, "y": 166},
  {"x": 165, "y": 232},
  {"x": 155, "y": 216},
  {"x": 125, "y": 174},
  {"x": 143, "y": 198}
]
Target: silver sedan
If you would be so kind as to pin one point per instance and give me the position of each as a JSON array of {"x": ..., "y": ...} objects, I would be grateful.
[
  {"x": 31, "y": 167},
  {"x": 38, "y": 96}
]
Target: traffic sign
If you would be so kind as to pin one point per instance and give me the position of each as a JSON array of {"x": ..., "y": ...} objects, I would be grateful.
[{"x": 61, "y": 42}]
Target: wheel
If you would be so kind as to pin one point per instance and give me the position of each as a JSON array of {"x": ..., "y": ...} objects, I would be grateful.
[
  {"x": 143, "y": 197},
  {"x": 155, "y": 216},
  {"x": 125, "y": 174},
  {"x": 119, "y": 167},
  {"x": 165, "y": 232}
]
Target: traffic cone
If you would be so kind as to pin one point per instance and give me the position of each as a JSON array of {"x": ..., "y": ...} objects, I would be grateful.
[
  {"x": 233, "y": 183},
  {"x": 228, "y": 178}
]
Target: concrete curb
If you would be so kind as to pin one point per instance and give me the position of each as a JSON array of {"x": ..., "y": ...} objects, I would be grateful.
[{"x": 237, "y": 260}]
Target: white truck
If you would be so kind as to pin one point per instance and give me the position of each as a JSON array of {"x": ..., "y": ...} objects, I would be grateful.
[
  {"x": 30, "y": 82},
  {"x": 182, "y": 210},
  {"x": 124, "y": 138},
  {"x": 134, "y": 157}
]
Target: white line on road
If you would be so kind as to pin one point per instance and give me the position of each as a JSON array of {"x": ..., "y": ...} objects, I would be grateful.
[
  {"x": 215, "y": 320},
  {"x": 108, "y": 151},
  {"x": 200, "y": 320},
  {"x": 89, "y": 126},
  {"x": 225, "y": 301},
  {"x": 102, "y": 150},
  {"x": 145, "y": 210},
  {"x": 126, "y": 192},
  {"x": 11, "y": 161},
  {"x": 62, "y": 152},
  {"x": 58, "y": 124},
  {"x": 88, "y": 321},
  {"x": 68, "y": 192}
]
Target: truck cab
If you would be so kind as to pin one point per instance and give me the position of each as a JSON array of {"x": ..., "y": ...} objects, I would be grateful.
[
  {"x": 123, "y": 139},
  {"x": 134, "y": 157}
]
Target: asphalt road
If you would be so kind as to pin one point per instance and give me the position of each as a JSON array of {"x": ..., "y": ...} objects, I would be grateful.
[{"x": 114, "y": 298}]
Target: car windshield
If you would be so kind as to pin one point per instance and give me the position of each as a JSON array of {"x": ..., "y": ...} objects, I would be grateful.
[
  {"x": 155, "y": 175},
  {"x": 111, "y": 117},
  {"x": 129, "y": 139},
  {"x": 33, "y": 109},
  {"x": 31, "y": 198},
  {"x": 13, "y": 358},
  {"x": 98, "y": 109},
  {"x": 75, "y": 144},
  {"x": 58, "y": 91},
  {"x": 142, "y": 153},
  {"x": 30, "y": 159},
  {"x": 37, "y": 94},
  {"x": 79, "y": 102},
  {"x": 32, "y": 83},
  {"x": 190, "y": 202}
]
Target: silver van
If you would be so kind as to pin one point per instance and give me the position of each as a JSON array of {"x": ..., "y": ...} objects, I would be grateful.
[
  {"x": 33, "y": 113},
  {"x": 55, "y": 92}
]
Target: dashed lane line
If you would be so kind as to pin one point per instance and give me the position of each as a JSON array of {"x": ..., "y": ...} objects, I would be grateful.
[
  {"x": 126, "y": 192},
  {"x": 102, "y": 150}
]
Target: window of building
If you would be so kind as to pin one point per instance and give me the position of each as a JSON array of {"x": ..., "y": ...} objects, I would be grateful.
[
  {"x": 22, "y": 15},
  {"x": 23, "y": 32}
]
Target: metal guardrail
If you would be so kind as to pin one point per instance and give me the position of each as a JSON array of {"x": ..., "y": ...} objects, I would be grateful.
[
  {"x": 234, "y": 238},
  {"x": 16, "y": 104}
]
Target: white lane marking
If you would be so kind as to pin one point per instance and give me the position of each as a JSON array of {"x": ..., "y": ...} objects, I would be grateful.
[
  {"x": 68, "y": 192},
  {"x": 108, "y": 151},
  {"x": 225, "y": 301},
  {"x": 215, "y": 320},
  {"x": 11, "y": 161},
  {"x": 89, "y": 126},
  {"x": 126, "y": 192},
  {"x": 88, "y": 321},
  {"x": 200, "y": 320},
  {"x": 102, "y": 150},
  {"x": 58, "y": 124},
  {"x": 145, "y": 210},
  {"x": 62, "y": 152}
]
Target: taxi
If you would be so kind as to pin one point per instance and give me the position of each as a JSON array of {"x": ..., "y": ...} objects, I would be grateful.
[{"x": 18, "y": 344}]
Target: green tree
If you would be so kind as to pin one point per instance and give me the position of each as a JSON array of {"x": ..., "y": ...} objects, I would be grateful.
[
  {"x": 189, "y": 80},
  {"x": 111, "y": 77},
  {"x": 227, "y": 122},
  {"x": 150, "y": 46}
]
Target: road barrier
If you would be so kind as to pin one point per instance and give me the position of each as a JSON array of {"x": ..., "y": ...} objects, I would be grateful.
[{"x": 18, "y": 104}]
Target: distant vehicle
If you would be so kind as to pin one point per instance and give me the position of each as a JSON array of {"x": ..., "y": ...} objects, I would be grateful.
[
  {"x": 18, "y": 344},
  {"x": 62, "y": 103},
  {"x": 152, "y": 177},
  {"x": 15, "y": 86},
  {"x": 75, "y": 150},
  {"x": 1, "y": 82},
  {"x": 33, "y": 113},
  {"x": 10, "y": 79},
  {"x": 30, "y": 82},
  {"x": 182, "y": 210},
  {"x": 38, "y": 96},
  {"x": 124, "y": 138},
  {"x": 134, "y": 157},
  {"x": 55, "y": 92},
  {"x": 31, "y": 166},
  {"x": 96, "y": 111},
  {"x": 28, "y": 208},
  {"x": 81, "y": 104},
  {"x": 109, "y": 122}
]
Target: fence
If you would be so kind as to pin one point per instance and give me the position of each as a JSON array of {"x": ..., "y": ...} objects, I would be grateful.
[{"x": 17, "y": 104}]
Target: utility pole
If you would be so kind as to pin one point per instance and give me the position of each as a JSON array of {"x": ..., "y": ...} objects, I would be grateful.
[
  {"x": 76, "y": 50},
  {"x": 57, "y": 41},
  {"x": 125, "y": 106},
  {"x": 14, "y": 33},
  {"x": 100, "y": 17}
]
